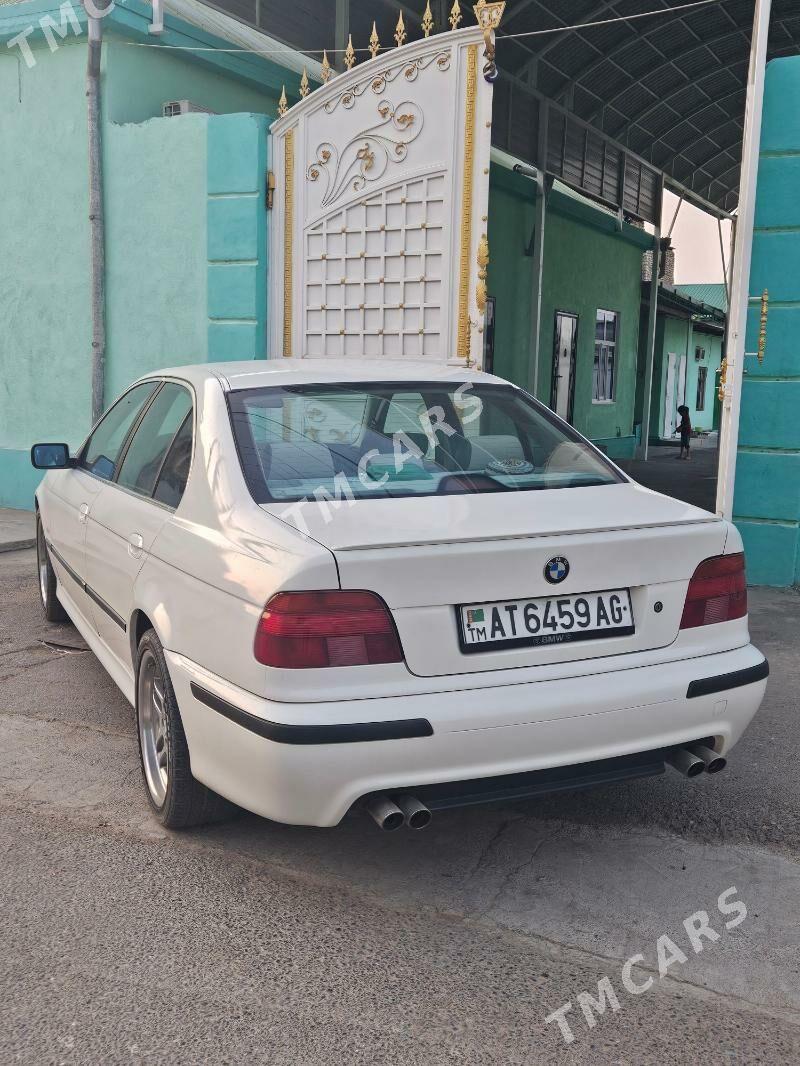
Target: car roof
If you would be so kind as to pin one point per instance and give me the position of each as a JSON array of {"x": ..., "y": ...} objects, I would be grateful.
[{"x": 258, "y": 373}]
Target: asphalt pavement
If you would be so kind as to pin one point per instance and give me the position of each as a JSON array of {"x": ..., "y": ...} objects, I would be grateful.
[
  {"x": 252, "y": 942},
  {"x": 693, "y": 480}
]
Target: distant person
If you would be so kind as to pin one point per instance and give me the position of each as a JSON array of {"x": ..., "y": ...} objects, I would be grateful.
[{"x": 685, "y": 428}]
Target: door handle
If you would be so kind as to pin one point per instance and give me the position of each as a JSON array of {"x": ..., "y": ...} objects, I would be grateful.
[
  {"x": 83, "y": 512},
  {"x": 135, "y": 545}
]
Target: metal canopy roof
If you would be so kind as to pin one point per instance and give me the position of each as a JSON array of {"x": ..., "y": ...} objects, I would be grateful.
[{"x": 670, "y": 88}]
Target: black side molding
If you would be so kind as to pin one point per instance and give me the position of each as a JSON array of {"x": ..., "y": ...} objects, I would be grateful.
[
  {"x": 722, "y": 682},
  {"x": 75, "y": 576},
  {"x": 101, "y": 603},
  {"x": 314, "y": 734}
]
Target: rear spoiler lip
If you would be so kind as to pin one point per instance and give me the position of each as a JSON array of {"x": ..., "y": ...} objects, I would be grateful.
[{"x": 713, "y": 519}]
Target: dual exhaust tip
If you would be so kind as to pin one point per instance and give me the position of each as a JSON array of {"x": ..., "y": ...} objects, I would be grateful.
[
  {"x": 390, "y": 814},
  {"x": 694, "y": 759}
]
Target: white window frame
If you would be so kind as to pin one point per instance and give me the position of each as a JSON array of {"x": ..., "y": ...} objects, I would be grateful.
[{"x": 614, "y": 345}]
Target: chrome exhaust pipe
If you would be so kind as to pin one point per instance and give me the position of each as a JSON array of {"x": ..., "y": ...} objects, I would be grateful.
[
  {"x": 416, "y": 814},
  {"x": 714, "y": 762},
  {"x": 387, "y": 815},
  {"x": 682, "y": 760}
]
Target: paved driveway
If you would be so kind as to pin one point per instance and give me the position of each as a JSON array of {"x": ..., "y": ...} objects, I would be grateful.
[
  {"x": 254, "y": 942},
  {"x": 694, "y": 481}
]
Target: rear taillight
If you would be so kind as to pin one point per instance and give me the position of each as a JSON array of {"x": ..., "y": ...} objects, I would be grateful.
[
  {"x": 303, "y": 630},
  {"x": 716, "y": 593}
]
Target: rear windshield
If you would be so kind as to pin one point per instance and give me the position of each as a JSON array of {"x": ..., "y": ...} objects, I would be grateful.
[{"x": 383, "y": 439}]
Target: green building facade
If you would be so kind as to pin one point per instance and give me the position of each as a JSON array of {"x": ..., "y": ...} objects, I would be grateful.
[
  {"x": 592, "y": 267},
  {"x": 689, "y": 345}
]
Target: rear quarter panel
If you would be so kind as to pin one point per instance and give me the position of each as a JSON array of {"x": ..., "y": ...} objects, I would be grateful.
[
  {"x": 205, "y": 595},
  {"x": 220, "y": 557}
]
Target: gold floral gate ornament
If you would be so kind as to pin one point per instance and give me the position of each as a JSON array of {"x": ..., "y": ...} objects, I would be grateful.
[{"x": 378, "y": 234}]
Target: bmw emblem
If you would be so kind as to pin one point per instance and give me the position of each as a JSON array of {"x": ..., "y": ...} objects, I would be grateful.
[{"x": 556, "y": 570}]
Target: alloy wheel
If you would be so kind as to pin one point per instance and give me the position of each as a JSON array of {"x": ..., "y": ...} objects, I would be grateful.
[
  {"x": 153, "y": 727},
  {"x": 41, "y": 561}
]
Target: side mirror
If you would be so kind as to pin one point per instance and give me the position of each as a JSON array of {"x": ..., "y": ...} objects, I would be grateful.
[{"x": 51, "y": 456}]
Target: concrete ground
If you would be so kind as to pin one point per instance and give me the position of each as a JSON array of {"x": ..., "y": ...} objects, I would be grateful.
[
  {"x": 253, "y": 942},
  {"x": 17, "y": 529}
]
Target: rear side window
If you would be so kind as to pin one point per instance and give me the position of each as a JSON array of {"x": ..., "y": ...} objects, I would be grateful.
[
  {"x": 148, "y": 449},
  {"x": 102, "y": 450},
  {"x": 175, "y": 471}
]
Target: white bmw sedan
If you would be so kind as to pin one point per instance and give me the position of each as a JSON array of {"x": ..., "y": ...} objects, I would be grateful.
[{"x": 331, "y": 586}]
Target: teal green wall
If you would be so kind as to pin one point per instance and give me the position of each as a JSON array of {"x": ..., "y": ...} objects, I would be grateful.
[
  {"x": 588, "y": 264},
  {"x": 143, "y": 79},
  {"x": 186, "y": 271},
  {"x": 44, "y": 265},
  {"x": 237, "y": 237},
  {"x": 178, "y": 291},
  {"x": 766, "y": 505},
  {"x": 155, "y": 176}
]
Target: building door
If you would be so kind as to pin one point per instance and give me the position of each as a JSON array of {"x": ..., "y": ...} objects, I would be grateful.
[
  {"x": 681, "y": 396},
  {"x": 564, "y": 349},
  {"x": 488, "y": 335},
  {"x": 702, "y": 379},
  {"x": 671, "y": 396}
]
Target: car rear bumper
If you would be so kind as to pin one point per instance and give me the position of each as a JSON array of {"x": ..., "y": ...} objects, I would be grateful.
[{"x": 307, "y": 764}]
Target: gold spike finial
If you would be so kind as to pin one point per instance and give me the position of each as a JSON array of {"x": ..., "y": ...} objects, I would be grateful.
[
  {"x": 400, "y": 34},
  {"x": 326, "y": 68},
  {"x": 455, "y": 15},
  {"x": 283, "y": 103},
  {"x": 489, "y": 14},
  {"x": 427, "y": 20},
  {"x": 350, "y": 54},
  {"x": 304, "y": 86},
  {"x": 374, "y": 42}
]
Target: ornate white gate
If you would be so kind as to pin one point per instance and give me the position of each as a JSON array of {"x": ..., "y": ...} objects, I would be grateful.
[{"x": 378, "y": 232}]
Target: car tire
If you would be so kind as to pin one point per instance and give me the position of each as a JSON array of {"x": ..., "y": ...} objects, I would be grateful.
[
  {"x": 178, "y": 800},
  {"x": 48, "y": 582}
]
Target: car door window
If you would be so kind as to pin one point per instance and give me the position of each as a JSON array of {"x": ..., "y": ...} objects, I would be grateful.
[
  {"x": 148, "y": 448},
  {"x": 102, "y": 449},
  {"x": 175, "y": 471}
]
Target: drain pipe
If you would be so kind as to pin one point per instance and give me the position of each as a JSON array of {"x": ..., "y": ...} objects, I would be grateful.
[{"x": 97, "y": 246}]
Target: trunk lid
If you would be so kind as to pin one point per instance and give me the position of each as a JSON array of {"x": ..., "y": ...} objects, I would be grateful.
[{"x": 427, "y": 556}]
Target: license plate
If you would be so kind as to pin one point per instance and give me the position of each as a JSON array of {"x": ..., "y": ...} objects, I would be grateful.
[{"x": 550, "y": 620}]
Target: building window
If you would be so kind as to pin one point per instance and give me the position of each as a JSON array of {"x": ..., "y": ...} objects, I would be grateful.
[
  {"x": 699, "y": 354},
  {"x": 702, "y": 374},
  {"x": 605, "y": 355}
]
